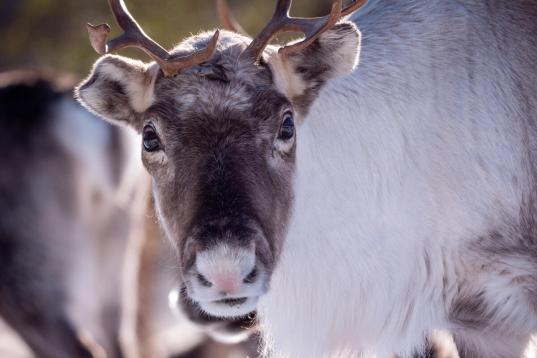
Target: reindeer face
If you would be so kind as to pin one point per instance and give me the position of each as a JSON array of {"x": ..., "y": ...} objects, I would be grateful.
[
  {"x": 219, "y": 140},
  {"x": 221, "y": 150}
]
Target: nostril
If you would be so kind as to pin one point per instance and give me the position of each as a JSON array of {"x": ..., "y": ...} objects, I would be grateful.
[
  {"x": 203, "y": 280},
  {"x": 251, "y": 276}
]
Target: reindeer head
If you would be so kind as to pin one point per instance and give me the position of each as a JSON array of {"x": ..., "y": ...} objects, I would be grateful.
[{"x": 217, "y": 115}]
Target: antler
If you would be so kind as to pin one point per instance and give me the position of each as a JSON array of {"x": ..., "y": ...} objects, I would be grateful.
[
  {"x": 134, "y": 36},
  {"x": 311, "y": 27},
  {"x": 227, "y": 19}
]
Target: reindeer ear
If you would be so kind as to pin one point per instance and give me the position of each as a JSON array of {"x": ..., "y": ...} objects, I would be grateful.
[
  {"x": 119, "y": 89},
  {"x": 301, "y": 75}
]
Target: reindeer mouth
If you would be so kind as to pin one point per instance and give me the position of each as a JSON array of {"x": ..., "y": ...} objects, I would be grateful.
[
  {"x": 232, "y": 301},
  {"x": 230, "y": 307}
]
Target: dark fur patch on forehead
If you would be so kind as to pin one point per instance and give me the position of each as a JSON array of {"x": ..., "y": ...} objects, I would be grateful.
[
  {"x": 226, "y": 78},
  {"x": 228, "y": 60}
]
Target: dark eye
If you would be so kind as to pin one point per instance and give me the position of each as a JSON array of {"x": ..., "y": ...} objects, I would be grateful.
[
  {"x": 150, "y": 139},
  {"x": 287, "y": 130}
]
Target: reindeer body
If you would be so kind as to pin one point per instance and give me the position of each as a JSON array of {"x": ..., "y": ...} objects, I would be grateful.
[
  {"x": 415, "y": 190},
  {"x": 411, "y": 180}
]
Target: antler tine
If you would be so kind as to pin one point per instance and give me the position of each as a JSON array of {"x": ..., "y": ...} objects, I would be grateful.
[
  {"x": 283, "y": 8},
  {"x": 275, "y": 25},
  {"x": 227, "y": 19},
  {"x": 177, "y": 62},
  {"x": 134, "y": 36},
  {"x": 311, "y": 27}
]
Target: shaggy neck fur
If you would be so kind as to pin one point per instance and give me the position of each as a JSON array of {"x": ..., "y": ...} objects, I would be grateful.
[{"x": 422, "y": 154}]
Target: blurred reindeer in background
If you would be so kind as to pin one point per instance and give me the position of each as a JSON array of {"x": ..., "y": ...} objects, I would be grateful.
[{"x": 70, "y": 206}]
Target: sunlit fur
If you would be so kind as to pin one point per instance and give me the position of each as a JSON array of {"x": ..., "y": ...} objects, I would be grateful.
[{"x": 415, "y": 190}]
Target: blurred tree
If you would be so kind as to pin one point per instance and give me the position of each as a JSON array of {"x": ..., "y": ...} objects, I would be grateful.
[{"x": 52, "y": 34}]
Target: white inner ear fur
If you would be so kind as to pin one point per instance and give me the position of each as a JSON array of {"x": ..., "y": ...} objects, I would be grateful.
[
  {"x": 139, "y": 83},
  {"x": 343, "y": 61},
  {"x": 287, "y": 81}
]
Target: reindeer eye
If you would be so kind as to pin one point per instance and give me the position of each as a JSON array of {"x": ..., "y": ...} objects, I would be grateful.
[
  {"x": 150, "y": 139},
  {"x": 287, "y": 129}
]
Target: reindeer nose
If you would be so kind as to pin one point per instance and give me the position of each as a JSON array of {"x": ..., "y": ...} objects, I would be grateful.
[
  {"x": 226, "y": 270},
  {"x": 226, "y": 280},
  {"x": 226, "y": 283}
]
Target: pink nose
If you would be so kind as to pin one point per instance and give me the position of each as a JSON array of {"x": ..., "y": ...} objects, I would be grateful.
[{"x": 226, "y": 283}]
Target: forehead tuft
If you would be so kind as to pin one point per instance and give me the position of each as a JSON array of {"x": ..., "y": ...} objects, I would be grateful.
[
  {"x": 227, "y": 56},
  {"x": 228, "y": 82}
]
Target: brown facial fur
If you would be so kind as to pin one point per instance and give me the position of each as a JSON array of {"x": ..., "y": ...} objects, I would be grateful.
[{"x": 223, "y": 177}]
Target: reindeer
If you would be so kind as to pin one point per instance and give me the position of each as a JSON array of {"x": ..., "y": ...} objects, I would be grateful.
[
  {"x": 70, "y": 208},
  {"x": 378, "y": 202}
]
